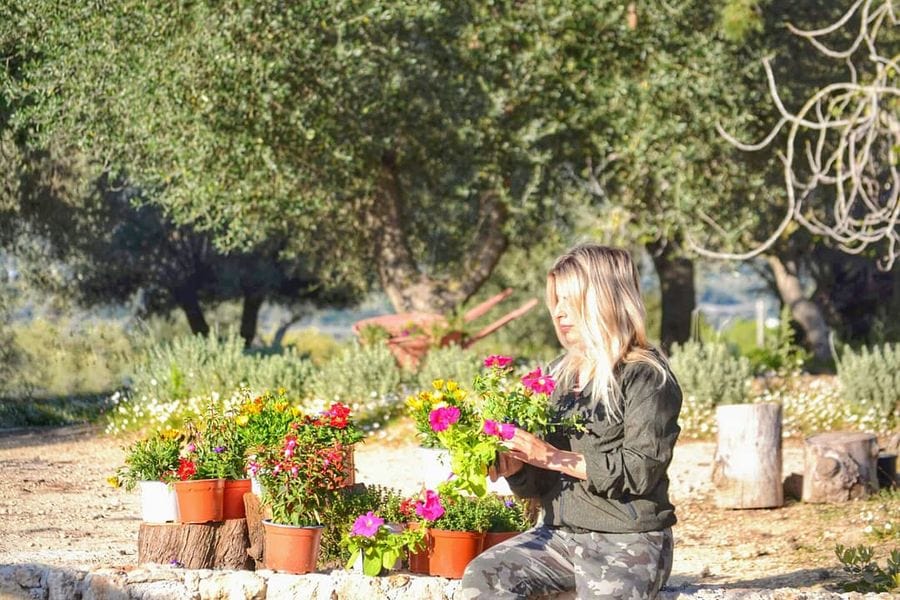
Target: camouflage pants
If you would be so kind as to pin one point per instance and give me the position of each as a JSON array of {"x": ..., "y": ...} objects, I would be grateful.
[{"x": 543, "y": 560}]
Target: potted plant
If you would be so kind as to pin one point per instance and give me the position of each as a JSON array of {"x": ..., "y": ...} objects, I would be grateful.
[
  {"x": 150, "y": 465},
  {"x": 262, "y": 423},
  {"x": 376, "y": 544},
  {"x": 455, "y": 530},
  {"x": 300, "y": 480},
  {"x": 222, "y": 433},
  {"x": 507, "y": 518},
  {"x": 202, "y": 469},
  {"x": 333, "y": 428}
]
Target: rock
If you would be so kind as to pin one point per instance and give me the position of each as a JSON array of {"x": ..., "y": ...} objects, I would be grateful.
[
  {"x": 27, "y": 576},
  {"x": 62, "y": 584},
  {"x": 241, "y": 585},
  {"x": 160, "y": 590},
  {"x": 104, "y": 586},
  {"x": 315, "y": 586}
]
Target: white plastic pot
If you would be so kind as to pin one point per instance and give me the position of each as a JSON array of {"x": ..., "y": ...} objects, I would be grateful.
[{"x": 158, "y": 502}]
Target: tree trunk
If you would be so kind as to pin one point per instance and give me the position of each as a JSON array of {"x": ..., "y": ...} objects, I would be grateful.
[
  {"x": 186, "y": 298},
  {"x": 747, "y": 463},
  {"x": 256, "y": 512},
  {"x": 676, "y": 282},
  {"x": 398, "y": 272},
  {"x": 803, "y": 310},
  {"x": 840, "y": 466},
  {"x": 210, "y": 546},
  {"x": 249, "y": 316}
]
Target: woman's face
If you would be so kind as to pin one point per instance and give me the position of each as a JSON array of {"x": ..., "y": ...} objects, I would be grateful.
[{"x": 564, "y": 321}]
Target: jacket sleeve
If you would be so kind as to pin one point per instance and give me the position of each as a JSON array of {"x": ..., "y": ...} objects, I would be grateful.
[
  {"x": 531, "y": 481},
  {"x": 650, "y": 425}
]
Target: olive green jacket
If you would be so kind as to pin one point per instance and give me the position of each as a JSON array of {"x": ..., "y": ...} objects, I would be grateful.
[{"x": 626, "y": 490}]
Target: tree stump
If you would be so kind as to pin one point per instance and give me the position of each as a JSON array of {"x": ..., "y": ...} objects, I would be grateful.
[
  {"x": 256, "y": 512},
  {"x": 747, "y": 465},
  {"x": 839, "y": 466},
  {"x": 196, "y": 546}
]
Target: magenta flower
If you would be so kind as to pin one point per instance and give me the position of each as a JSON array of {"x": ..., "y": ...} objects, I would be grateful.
[
  {"x": 507, "y": 431},
  {"x": 491, "y": 427},
  {"x": 191, "y": 448},
  {"x": 442, "y": 418},
  {"x": 367, "y": 525},
  {"x": 431, "y": 509},
  {"x": 539, "y": 382},
  {"x": 496, "y": 360}
]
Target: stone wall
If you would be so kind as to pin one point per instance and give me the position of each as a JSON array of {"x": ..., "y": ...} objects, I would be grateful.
[{"x": 151, "y": 582}]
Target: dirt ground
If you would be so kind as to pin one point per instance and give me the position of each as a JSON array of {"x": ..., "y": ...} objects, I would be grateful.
[{"x": 56, "y": 508}]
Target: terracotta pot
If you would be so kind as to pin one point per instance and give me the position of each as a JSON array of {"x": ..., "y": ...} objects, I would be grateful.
[
  {"x": 292, "y": 549},
  {"x": 158, "y": 502},
  {"x": 492, "y": 538},
  {"x": 418, "y": 561},
  {"x": 200, "y": 500},
  {"x": 233, "y": 498},
  {"x": 451, "y": 551}
]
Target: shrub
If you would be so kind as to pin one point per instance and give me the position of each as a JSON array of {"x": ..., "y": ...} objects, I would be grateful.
[
  {"x": 365, "y": 377},
  {"x": 866, "y": 575},
  {"x": 450, "y": 362},
  {"x": 870, "y": 384},
  {"x": 176, "y": 381},
  {"x": 709, "y": 376}
]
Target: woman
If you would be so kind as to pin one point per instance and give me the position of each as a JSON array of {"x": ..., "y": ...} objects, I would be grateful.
[{"x": 607, "y": 518}]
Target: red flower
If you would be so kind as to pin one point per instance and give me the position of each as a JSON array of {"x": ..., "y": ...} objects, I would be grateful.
[
  {"x": 186, "y": 469},
  {"x": 338, "y": 415}
]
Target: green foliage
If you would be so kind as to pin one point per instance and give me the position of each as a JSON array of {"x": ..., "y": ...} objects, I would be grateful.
[
  {"x": 372, "y": 334},
  {"x": 153, "y": 458},
  {"x": 709, "y": 374},
  {"x": 60, "y": 410},
  {"x": 345, "y": 507},
  {"x": 450, "y": 362},
  {"x": 870, "y": 383},
  {"x": 781, "y": 354},
  {"x": 462, "y": 513},
  {"x": 356, "y": 374},
  {"x": 506, "y": 514},
  {"x": 175, "y": 380},
  {"x": 740, "y": 18},
  {"x": 865, "y": 573}
]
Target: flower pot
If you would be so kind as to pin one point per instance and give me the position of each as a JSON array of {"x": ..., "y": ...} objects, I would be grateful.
[
  {"x": 200, "y": 500},
  {"x": 233, "y": 498},
  {"x": 451, "y": 551},
  {"x": 158, "y": 502},
  {"x": 291, "y": 548},
  {"x": 492, "y": 538},
  {"x": 418, "y": 561}
]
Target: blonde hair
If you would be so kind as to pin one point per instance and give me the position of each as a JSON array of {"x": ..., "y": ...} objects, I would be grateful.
[{"x": 603, "y": 298}]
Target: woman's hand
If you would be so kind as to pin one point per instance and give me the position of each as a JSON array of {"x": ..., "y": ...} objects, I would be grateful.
[
  {"x": 531, "y": 449},
  {"x": 504, "y": 466}
]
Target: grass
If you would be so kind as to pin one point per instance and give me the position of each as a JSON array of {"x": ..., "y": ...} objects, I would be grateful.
[{"x": 52, "y": 411}]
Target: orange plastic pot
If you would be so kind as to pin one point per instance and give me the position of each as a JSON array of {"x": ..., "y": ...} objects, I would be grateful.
[
  {"x": 451, "y": 551},
  {"x": 492, "y": 538},
  {"x": 200, "y": 500},
  {"x": 292, "y": 549},
  {"x": 418, "y": 561},
  {"x": 233, "y": 498}
]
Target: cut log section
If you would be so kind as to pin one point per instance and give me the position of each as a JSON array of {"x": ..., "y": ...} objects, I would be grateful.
[
  {"x": 747, "y": 464},
  {"x": 840, "y": 466},
  {"x": 256, "y": 512},
  {"x": 195, "y": 546}
]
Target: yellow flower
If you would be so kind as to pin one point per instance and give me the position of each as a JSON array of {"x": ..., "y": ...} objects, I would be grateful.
[
  {"x": 295, "y": 410},
  {"x": 281, "y": 406},
  {"x": 170, "y": 434},
  {"x": 415, "y": 402},
  {"x": 113, "y": 481},
  {"x": 281, "y": 391},
  {"x": 241, "y": 420},
  {"x": 437, "y": 384},
  {"x": 452, "y": 386}
]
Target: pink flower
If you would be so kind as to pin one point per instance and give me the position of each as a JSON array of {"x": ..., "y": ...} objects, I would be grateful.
[
  {"x": 538, "y": 382},
  {"x": 367, "y": 525},
  {"x": 191, "y": 448},
  {"x": 495, "y": 360},
  {"x": 507, "y": 431},
  {"x": 491, "y": 427},
  {"x": 431, "y": 509},
  {"x": 442, "y": 418}
]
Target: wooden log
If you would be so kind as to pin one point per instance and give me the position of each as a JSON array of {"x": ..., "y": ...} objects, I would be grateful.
[
  {"x": 196, "y": 546},
  {"x": 256, "y": 512},
  {"x": 839, "y": 466},
  {"x": 747, "y": 464}
]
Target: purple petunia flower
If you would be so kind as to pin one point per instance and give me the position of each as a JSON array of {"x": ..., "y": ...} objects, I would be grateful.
[{"x": 219, "y": 449}]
